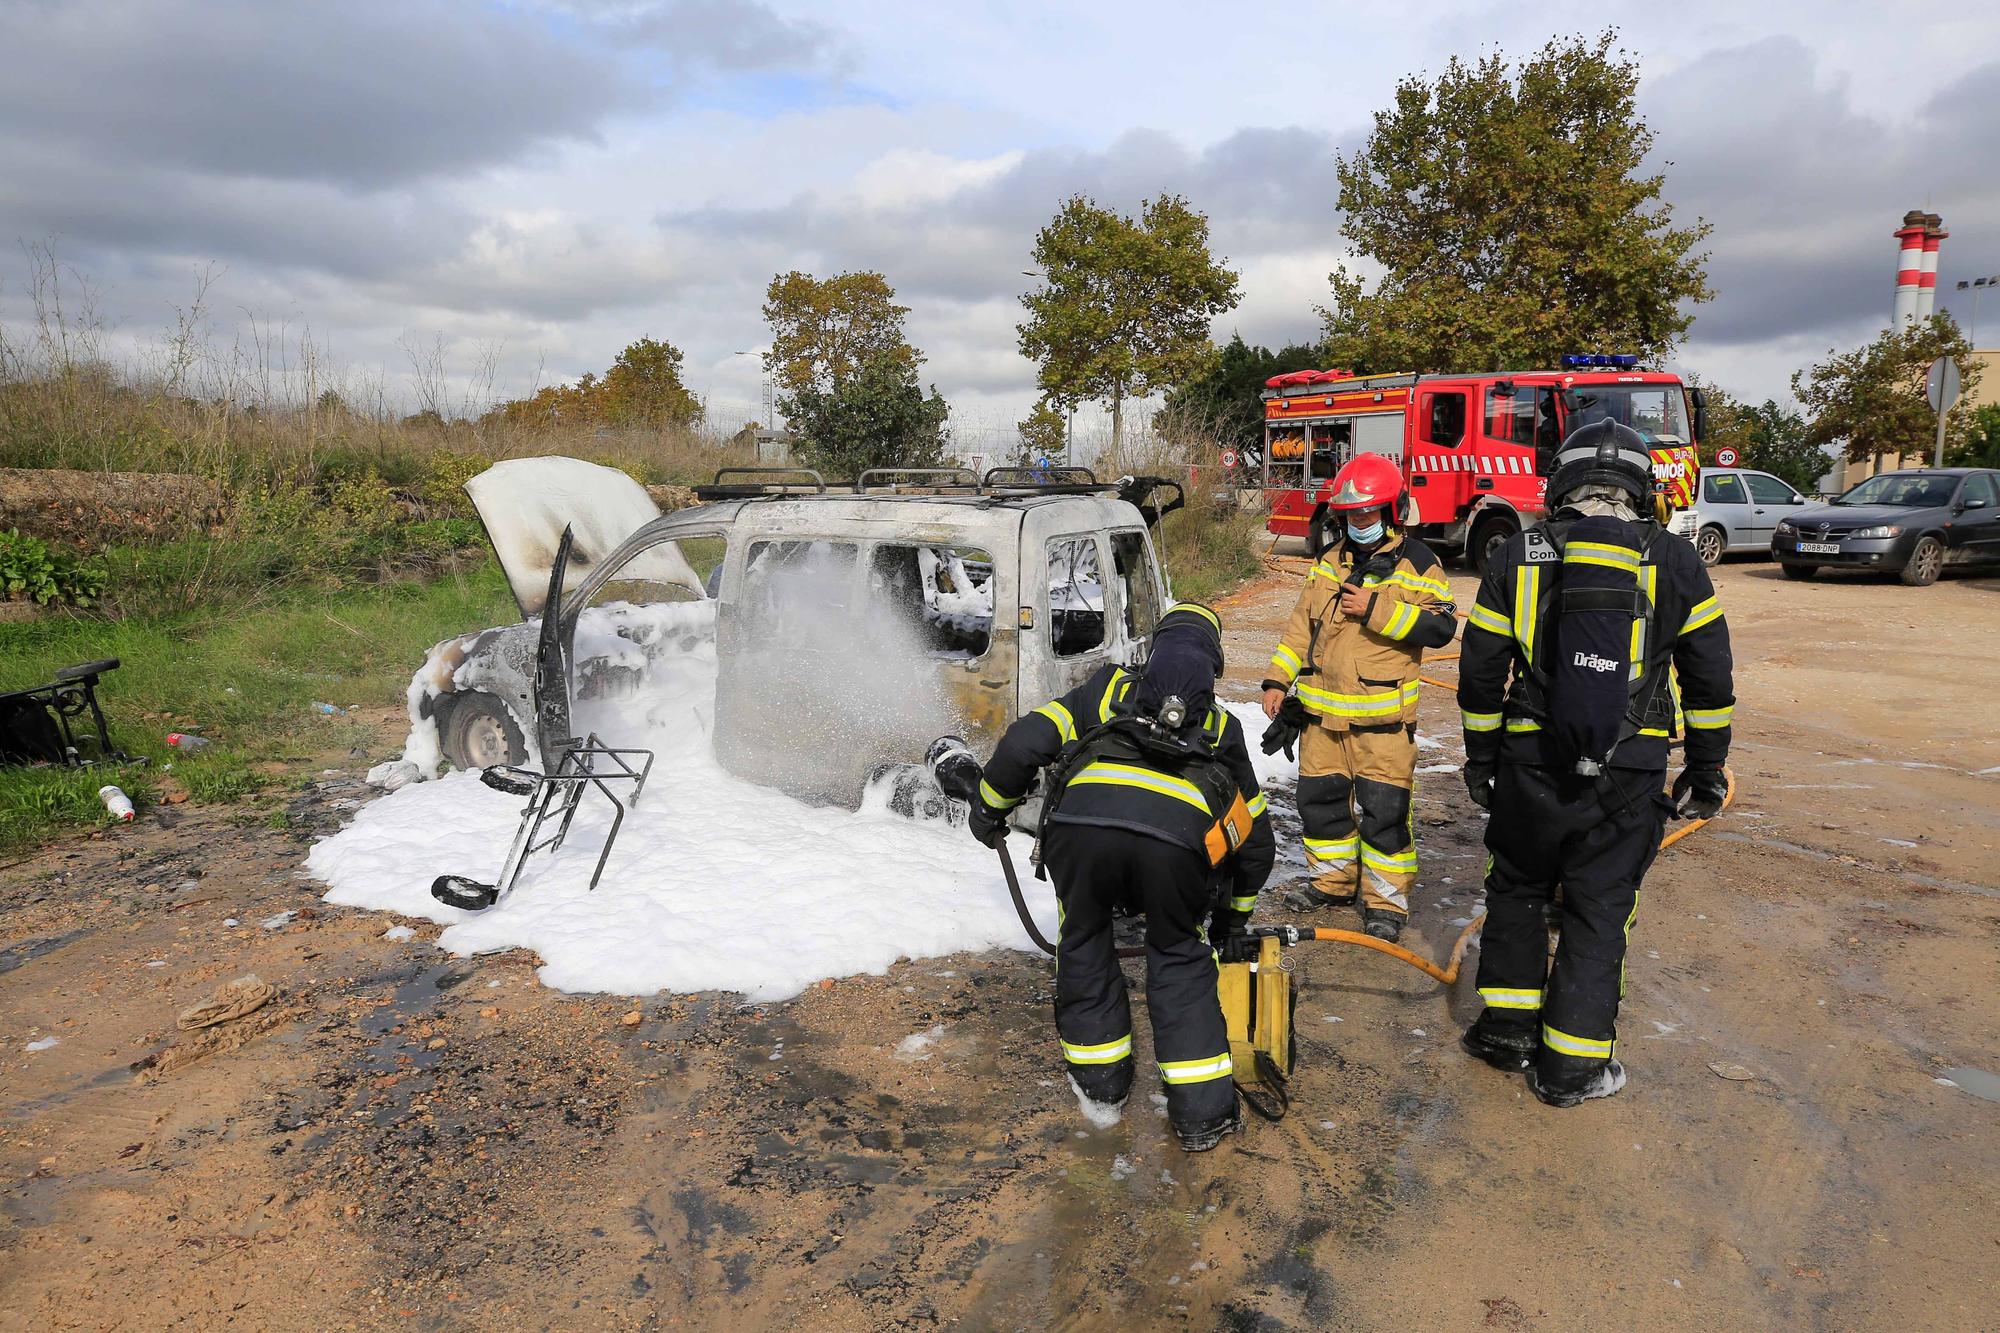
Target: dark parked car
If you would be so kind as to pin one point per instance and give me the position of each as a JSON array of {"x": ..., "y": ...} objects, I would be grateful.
[{"x": 1914, "y": 522}]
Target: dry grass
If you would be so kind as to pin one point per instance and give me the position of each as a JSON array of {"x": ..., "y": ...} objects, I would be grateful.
[
  {"x": 266, "y": 408},
  {"x": 1208, "y": 547}
]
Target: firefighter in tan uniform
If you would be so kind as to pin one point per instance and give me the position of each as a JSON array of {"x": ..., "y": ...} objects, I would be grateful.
[{"x": 1344, "y": 680}]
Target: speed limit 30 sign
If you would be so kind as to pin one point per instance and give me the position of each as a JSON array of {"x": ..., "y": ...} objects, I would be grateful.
[{"x": 1725, "y": 457}]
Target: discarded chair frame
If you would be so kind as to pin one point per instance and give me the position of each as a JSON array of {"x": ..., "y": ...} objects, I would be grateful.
[
  {"x": 551, "y": 796},
  {"x": 56, "y": 706}
]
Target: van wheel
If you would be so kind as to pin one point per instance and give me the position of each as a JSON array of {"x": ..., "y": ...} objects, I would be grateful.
[
  {"x": 1483, "y": 547},
  {"x": 1926, "y": 563},
  {"x": 478, "y": 732},
  {"x": 1709, "y": 544}
]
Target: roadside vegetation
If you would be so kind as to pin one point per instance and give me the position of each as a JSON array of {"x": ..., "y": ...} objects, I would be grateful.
[{"x": 246, "y": 683}]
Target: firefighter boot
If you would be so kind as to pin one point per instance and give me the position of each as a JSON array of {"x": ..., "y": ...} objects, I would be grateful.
[
  {"x": 1310, "y": 898},
  {"x": 1205, "y": 1134},
  {"x": 1510, "y": 1048},
  {"x": 1383, "y": 925},
  {"x": 1605, "y": 1083}
]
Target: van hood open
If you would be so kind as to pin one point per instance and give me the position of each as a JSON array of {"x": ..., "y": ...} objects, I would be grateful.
[{"x": 525, "y": 503}]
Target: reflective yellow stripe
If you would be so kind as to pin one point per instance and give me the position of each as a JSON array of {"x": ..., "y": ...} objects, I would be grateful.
[
  {"x": 1106, "y": 774},
  {"x": 1486, "y": 618},
  {"x": 1395, "y": 862},
  {"x": 1523, "y": 724},
  {"x": 1497, "y": 997},
  {"x": 1285, "y": 664},
  {"x": 1323, "y": 570},
  {"x": 1650, "y": 577},
  {"x": 1479, "y": 721},
  {"x": 994, "y": 798},
  {"x": 1376, "y": 703},
  {"x": 1104, "y": 1053},
  {"x": 1333, "y": 849},
  {"x": 1110, "y": 695},
  {"x": 1418, "y": 583},
  {"x": 1708, "y": 718},
  {"x": 1065, "y": 724},
  {"x": 1199, "y": 610},
  {"x": 1243, "y": 904},
  {"x": 1601, "y": 553},
  {"x": 1706, "y": 611},
  {"x": 1527, "y": 592},
  {"x": 1197, "y": 1071},
  {"x": 1401, "y": 621},
  {"x": 1256, "y": 805},
  {"x": 1568, "y": 1045}
]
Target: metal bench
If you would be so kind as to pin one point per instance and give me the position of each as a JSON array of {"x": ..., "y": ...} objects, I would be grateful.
[{"x": 39, "y": 725}]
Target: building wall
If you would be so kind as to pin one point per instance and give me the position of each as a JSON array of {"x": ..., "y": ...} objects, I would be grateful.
[{"x": 1988, "y": 389}]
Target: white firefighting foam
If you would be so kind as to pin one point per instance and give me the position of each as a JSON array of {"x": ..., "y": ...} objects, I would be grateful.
[{"x": 714, "y": 883}]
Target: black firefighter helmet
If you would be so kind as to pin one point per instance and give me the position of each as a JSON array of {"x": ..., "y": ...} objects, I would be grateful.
[
  {"x": 1181, "y": 668},
  {"x": 1604, "y": 453}
]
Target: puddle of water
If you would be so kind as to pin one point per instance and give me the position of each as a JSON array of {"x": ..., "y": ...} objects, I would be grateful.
[{"x": 1976, "y": 1081}]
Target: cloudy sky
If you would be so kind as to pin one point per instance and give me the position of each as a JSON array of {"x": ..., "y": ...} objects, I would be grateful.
[{"x": 556, "y": 178}]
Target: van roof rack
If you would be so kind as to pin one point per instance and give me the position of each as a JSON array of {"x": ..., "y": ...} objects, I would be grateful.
[
  {"x": 1042, "y": 480},
  {"x": 925, "y": 479},
  {"x": 741, "y": 490}
]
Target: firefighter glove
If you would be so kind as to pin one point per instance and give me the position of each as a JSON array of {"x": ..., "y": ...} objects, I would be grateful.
[
  {"x": 1237, "y": 948},
  {"x": 1479, "y": 783},
  {"x": 1284, "y": 731},
  {"x": 986, "y": 824},
  {"x": 1700, "y": 792}
]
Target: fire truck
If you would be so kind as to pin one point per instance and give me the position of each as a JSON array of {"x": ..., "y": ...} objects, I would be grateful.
[{"x": 1475, "y": 450}]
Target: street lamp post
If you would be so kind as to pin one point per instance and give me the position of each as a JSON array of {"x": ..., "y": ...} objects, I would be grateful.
[
  {"x": 770, "y": 420},
  {"x": 1977, "y": 285}
]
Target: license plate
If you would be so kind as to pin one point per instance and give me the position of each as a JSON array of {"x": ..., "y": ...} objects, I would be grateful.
[{"x": 1819, "y": 548}]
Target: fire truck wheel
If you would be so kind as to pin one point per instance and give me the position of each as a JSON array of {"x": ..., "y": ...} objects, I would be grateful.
[{"x": 1487, "y": 538}]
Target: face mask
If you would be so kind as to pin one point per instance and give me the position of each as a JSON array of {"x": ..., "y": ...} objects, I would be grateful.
[{"x": 1367, "y": 536}]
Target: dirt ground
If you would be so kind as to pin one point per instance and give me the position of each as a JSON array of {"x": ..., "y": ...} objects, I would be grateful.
[{"x": 403, "y": 1139}]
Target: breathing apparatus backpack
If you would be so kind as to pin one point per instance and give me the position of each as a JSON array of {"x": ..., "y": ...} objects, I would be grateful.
[
  {"x": 1162, "y": 743},
  {"x": 1590, "y": 683}
]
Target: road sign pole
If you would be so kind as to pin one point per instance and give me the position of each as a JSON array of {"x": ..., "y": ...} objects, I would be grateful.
[{"x": 1941, "y": 385}]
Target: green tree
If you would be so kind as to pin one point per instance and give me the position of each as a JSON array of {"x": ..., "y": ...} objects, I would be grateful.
[
  {"x": 877, "y": 417},
  {"x": 1505, "y": 206},
  {"x": 643, "y": 388},
  {"x": 1227, "y": 400},
  {"x": 1778, "y": 443},
  {"x": 1981, "y": 445},
  {"x": 1043, "y": 433},
  {"x": 1125, "y": 303},
  {"x": 824, "y": 330},
  {"x": 1870, "y": 402}
]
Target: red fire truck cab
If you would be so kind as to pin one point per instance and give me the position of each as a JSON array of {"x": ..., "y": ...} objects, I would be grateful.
[{"x": 1475, "y": 450}]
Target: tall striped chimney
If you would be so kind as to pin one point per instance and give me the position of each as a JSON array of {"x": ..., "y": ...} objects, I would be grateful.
[
  {"x": 1934, "y": 234},
  {"x": 1909, "y": 269}
]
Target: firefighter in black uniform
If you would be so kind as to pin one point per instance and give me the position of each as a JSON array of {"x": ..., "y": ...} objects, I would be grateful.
[
  {"x": 1171, "y": 823},
  {"x": 1567, "y": 682}
]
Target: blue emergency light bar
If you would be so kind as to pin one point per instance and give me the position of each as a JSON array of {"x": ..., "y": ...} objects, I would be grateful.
[{"x": 1598, "y": 361}]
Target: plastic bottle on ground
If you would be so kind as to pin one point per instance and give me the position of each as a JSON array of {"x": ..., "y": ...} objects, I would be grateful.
[
  {"x": 182, "y": 740},
  {"x": 325, "y": 709},
  {"x": 117, "y": 802}
]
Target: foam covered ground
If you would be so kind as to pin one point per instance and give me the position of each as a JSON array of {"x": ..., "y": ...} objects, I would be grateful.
[{"x": 714, "y": 883}]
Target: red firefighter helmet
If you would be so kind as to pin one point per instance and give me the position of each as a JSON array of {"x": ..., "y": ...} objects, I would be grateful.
[{"x": 1369, "y": 481}]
